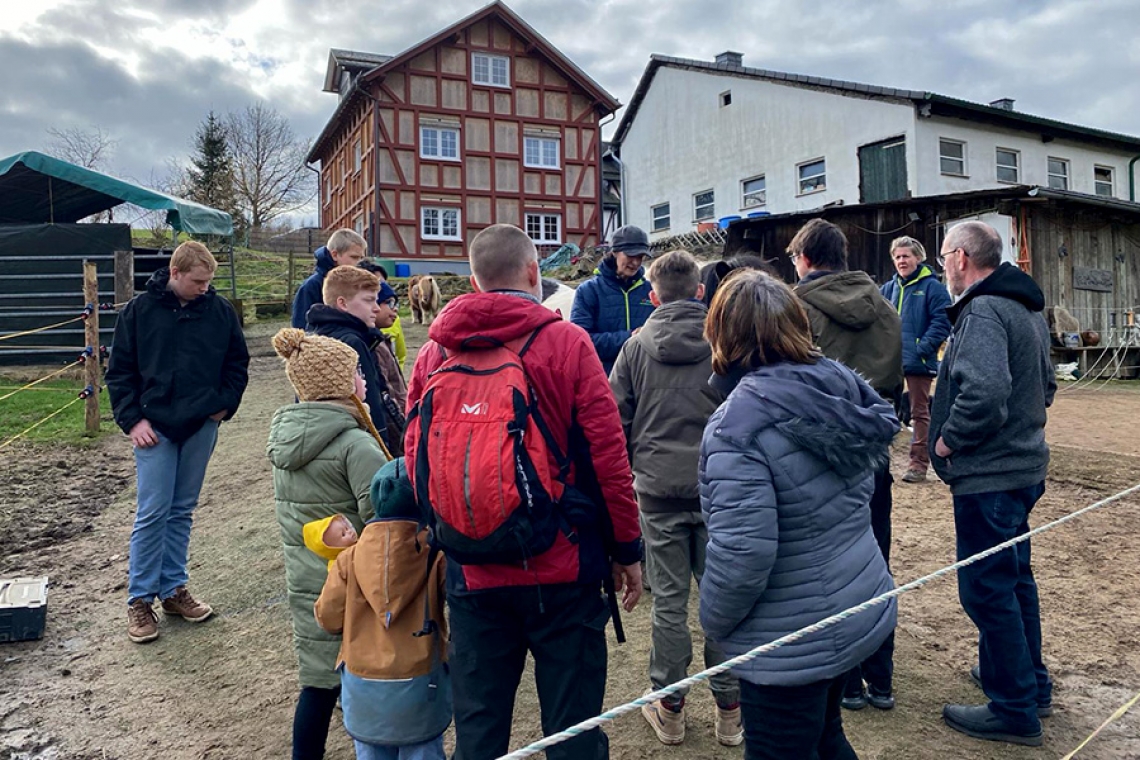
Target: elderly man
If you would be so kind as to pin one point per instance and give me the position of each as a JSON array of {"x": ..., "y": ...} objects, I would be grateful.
[
  {"x": 614, "y": 304},
  {"x": 921, "y": 301},
  {"x": 988, "y": 429}
]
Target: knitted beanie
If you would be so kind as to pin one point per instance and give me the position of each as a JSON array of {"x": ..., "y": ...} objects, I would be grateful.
[
  {"x": 319, "y": 368},
  {"x": 392, "y": 494}
]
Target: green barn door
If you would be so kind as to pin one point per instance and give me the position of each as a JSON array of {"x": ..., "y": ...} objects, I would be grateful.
[{"x": 882, "y": 171}]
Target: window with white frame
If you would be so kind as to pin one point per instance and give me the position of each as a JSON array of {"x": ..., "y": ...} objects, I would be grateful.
[
  {"x": 1058, "y": 170},
  {"x": 1008, "y": 164},
  {"x": 813, "y": 176},
  {"x": 704, "y": 205},
  {"x": 726, "y": 98},
  {"x": 357, "y": 152},
  {"x": 754, "y": 192},
  {"x": 952, "y": 157},
  {"x": 544, "y": 228},
  {"x": 358, "y": 224},
  {"x": 1102, "y": 181},
  {"x": 439, "y": 142},
  {"x": 494, "y": 70},
  {"x": 439, "y": 223},
  {"x": 540, "y": 152},
  {"x": 660, "y": 214}
]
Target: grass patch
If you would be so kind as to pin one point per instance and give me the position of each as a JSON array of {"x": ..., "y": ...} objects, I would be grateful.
[{"x": 25, "y": 408}]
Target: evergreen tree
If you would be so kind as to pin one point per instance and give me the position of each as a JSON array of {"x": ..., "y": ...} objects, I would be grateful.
[{"x": 211, "y": 178}]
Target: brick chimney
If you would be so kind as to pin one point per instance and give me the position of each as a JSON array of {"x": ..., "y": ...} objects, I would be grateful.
[
  {"x": 730, "y": 58},
  {"x": 1006, "y": 104}
]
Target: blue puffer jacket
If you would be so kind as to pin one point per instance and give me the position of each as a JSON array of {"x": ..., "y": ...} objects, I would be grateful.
[
  {"x": 610, "y": 309},
  {"x": 786, "y": 479},
  {"x": 310, "y": 291},
  {"x": 921, "y": 303}
]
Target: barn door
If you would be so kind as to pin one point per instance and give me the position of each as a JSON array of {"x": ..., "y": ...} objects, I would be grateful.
[{"x": 882, "y": 171}]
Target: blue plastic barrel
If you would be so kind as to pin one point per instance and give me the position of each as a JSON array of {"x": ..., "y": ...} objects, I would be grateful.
[
  {"x": 403, "y": 270},
  {"x": 724, "y": 221}
]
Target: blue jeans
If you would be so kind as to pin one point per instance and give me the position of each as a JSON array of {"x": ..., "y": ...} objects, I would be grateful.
[
  {"x": 170, "y": 478},
  {"x": 429, "y": 750},
  {"x": 1000, "y": 596}
]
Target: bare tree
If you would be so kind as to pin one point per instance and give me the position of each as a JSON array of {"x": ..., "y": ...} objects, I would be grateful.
[
  {"x": 269, "y": 164},
  {"x": 90, "y": 148}
]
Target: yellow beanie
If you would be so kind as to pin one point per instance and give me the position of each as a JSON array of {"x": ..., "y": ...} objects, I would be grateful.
[
  {"x": 319, "y": 368},
  {"x": 314, "y": 532}
]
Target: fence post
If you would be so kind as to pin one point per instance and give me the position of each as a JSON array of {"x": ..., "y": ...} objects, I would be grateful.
[
  {"x": 91, "y": 335},
  {"x": 124, "y": 276}
]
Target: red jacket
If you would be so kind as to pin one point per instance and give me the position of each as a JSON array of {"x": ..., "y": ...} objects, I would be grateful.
[{"x": 573, "y": 392}]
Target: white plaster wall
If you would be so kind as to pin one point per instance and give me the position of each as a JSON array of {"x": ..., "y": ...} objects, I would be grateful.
[
  {"x": 683, "y": 142},
  {"x": 981, "y": 145}
]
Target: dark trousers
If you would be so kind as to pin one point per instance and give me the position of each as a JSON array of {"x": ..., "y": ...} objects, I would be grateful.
[
  {"x": 1000, "y": 596},
  {"x": 794, "y": 722},
  {"x": 311, "y": 722},
  {"x": 878, "y": 670},
  {"x": 563, "y": 628}
]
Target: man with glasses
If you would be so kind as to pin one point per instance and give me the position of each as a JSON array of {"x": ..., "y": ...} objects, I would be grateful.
[{"x": 988, "y": 432}]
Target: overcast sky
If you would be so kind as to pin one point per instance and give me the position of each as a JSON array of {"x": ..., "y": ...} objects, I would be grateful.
[{"x": 147, "y": 72}]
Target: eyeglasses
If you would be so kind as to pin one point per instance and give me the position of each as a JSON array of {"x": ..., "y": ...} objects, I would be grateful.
[
  {"x": 392, "y": 303},
  {"x": 794, "y": 256},
  {"x": 943, "y": 256}
]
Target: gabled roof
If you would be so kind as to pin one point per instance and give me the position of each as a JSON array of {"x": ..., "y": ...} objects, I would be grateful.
[
  {"x": 352, "y": 61},
  {"x": 929, "y": 103},
  {"x": 498, "y": 10}
]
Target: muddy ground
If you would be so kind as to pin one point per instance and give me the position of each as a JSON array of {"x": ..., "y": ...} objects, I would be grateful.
[{"x": 226, "y": 689}]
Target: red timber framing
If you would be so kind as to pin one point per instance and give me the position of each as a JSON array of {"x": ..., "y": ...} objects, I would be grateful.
[{"x": 430, "y": 86}]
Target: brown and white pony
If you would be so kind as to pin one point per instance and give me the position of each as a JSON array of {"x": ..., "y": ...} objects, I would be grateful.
[{"x": 424, "y": 297}]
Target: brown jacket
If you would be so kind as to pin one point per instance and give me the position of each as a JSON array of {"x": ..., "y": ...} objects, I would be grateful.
[{"x": 375, "y": 596}]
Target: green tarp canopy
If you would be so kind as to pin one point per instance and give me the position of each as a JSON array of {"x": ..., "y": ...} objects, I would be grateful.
[{"x": 37, "y": 189}]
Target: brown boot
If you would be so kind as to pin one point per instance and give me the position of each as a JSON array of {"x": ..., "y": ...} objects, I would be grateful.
[
  {"x": 142, "y": 623},
  {"x": 187, "y": 606}
]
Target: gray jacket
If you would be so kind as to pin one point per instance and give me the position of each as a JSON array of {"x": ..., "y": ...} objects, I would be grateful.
[
  {"x": 786, "y": 479},
  {"x": 995, "y": 382},
  {"x": 661, "y": 383}
]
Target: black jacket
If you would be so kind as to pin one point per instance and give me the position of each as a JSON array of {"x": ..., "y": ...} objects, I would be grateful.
[
  {"x": 333, "y": 323},
  {"x": 176, "y": 365}
]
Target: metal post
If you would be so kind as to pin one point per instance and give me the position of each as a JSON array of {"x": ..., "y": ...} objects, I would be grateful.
[{"x": 91, "y": 334}]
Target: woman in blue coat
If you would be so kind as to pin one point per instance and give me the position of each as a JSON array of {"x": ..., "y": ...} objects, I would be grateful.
[{"x": 786, "y": 475}]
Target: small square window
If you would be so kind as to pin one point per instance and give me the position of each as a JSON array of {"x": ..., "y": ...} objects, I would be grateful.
[
  {"x": 540, "y": 152},
  {"x": 754, "y": 192},
  {"x": 726, "y": 98},
  {"x": 439, "y": 223},
  {"x": 813, "y": 176},
  {"x": 660, "y": 214},
  {"x": 704, "y": 206},
  {"x": 952, "y": 157},
  {"x": 1058, "y": 169},
  {"x": 1102, "y": 181},
  {"x": 439, "y": 142},
  {"x": 544, "y": 228},
  {"x": 493, "y": 70},
  {"x": 1008, "y": 165}
]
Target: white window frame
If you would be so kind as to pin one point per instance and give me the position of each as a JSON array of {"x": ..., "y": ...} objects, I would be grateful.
[
  {"x": 725, "y": 98},
  {"x": 439, "y": 131},
  {"x": 490, "y": 79},
  {"x": 542, "y": 218},
  {"x": 655, "y": 219},
  {"x": 755, "y": 198},
  {"x": 1110, "y": 183},
  {"x": 541, "y": 144},
  {"x": 711, "y": 205},
  {"x": 357, "y": 154},
  {"x": 801, "y": 179},
  {"x": 358, "y": 224},
  {"x": 943, "y": 157},
  {"x": 1066, "y": 176},
  {"x": 440, "y": 213},
  {"x": 1016, "y": 166}
]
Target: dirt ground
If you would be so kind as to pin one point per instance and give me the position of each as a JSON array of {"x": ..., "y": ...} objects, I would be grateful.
[{"x": 226, "y": 689}]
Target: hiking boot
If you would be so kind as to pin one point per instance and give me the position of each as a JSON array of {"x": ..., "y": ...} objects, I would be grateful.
[
  {"x": 729, "y": 731},
  {"x": 142, "y": 623},
  {"x": 668, "y": 723},
  {"x": 914, "y": 476},
  {"x": 880, "y": 700},
  {"x": 980, "y": 722},
  {"x": 1044, "y": 709},
  {"x": 856, "y": 701},
  {"x": 187, "y": 606}
]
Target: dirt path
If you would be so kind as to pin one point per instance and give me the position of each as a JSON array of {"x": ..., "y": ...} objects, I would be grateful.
[{"x": 226, "y": 689}]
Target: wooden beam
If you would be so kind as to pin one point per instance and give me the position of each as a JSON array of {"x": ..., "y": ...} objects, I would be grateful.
[{"x": 91, "y": 335}]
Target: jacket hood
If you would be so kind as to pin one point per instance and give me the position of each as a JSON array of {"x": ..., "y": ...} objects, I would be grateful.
[
  {"x": 921, "y": 273},
  {"x": 1007, "y": 281},
  {"x": 322, "y": 315},
  {"x": 324, "y": 259},
  {"x": 389, "y": 562},
  {"x": 314, "y": 535},
  {"x": 607, "y": 270},
  {"x": 158, "y": 284},
  {"x": 848, "y": 298},
  {"x": 823, "y": 407},
  {"x": 495, "y": 317},
  {"x": 675, "y": 333},
  {"x": 299, "y": 432}
]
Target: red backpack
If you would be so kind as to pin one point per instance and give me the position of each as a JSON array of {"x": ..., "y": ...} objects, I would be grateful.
[{"x": 478, "y": 456}]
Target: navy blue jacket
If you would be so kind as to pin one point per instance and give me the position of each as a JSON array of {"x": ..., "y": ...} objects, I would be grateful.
[
  {"x": 921, "y": 303},
  {"x": 610, "y": 309},
  {"x": 333, "y": 323},
  {"x": 176, "y": 365},
  {"x": 310, "y": 291}
]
